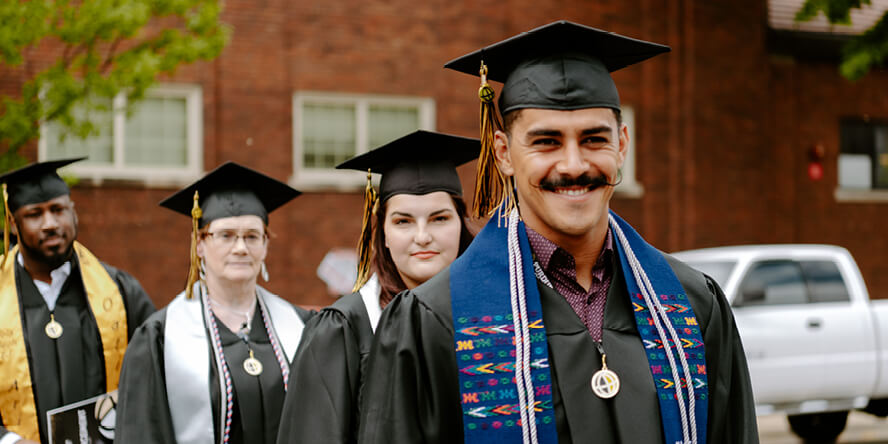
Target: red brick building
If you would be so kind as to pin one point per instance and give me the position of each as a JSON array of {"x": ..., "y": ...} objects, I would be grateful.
[{"x": 723, "y": 128}]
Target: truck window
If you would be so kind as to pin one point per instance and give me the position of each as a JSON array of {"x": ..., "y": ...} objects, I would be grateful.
[
  {"x": 719, "y": 270},
  {"x": 825, "y": 283},
  {"x": 777, "y": 282}
]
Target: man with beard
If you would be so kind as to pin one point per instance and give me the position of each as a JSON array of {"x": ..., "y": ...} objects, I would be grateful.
[
  {"x": 65, "y": 316},
  {"x": 559, "y": 323}
]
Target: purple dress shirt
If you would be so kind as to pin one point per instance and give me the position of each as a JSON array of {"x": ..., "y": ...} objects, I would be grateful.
[{"x": 560, "y": 267}]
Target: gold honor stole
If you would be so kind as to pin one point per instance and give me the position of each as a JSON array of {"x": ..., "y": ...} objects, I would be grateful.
[{"x": 17, "y": 406}]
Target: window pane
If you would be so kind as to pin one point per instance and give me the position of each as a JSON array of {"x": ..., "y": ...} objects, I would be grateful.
[
  {"x": 156, "y": 133},
  {"x": 328, "y": 134},
  {"x": 720, "y": 271},
  {"x": 387, "y": 123},
  {"x": 773, "y": 283},
  {"x": 855, "y": 171},
  {"x": 825, "y": 282},
  {"x": 856, "y": 137},
  {"x": 98, "y": 148}
]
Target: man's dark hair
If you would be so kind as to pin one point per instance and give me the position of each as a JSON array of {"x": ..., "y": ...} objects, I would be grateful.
[{"x": 510, "y": 118}]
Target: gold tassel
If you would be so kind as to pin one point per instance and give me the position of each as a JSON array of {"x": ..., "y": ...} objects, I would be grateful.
[
  {"x": 6, "y": 221},
  {"x": 194, "y": 268},
  {"x": 491, "y": 187},
  {"x": 365, "y": 243}
]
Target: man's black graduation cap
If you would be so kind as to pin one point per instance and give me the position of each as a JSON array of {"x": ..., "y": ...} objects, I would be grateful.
[
  {"x": 231, "y": 190},
  {"x": 31, "y": 184},
  {"x": 36, "y": 183},
  {"x": 419, "y": 163},
  {"x": 560, "y": 66},
  {"x": 228, "y": 191}
]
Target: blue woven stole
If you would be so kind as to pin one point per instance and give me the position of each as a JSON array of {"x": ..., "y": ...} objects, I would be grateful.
[
  {"x": 677, "y": 309},
  {"x": 484, "y": 338}
]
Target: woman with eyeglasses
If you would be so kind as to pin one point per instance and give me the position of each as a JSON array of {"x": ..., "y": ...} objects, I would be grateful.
[
  {"x": 420, "y": 229},
  {"x": 212, "y": 367}
]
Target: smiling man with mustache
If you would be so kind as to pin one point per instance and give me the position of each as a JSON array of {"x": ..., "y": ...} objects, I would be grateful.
[
  {"x": 65, "y": 316},
  {"x": 560, "y": 323}
]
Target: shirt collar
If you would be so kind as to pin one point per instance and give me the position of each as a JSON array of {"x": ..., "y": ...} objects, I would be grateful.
[
  {"x": 544, "y": 249},
  {"x": 61, "y": 273}
]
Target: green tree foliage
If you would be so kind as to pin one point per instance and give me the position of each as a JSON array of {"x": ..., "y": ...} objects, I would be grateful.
[
  {"x": 99, "y": 49},
  {"x": 104, "y": 47},
  {"x": 864, "y": 51}
]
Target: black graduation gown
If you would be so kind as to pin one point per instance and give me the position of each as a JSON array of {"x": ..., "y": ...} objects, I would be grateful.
[
  {"x": 412, "y": 391},
  {"x": 326, "y": 376},
  {"x": 143, "y": 413},
  {"x": 72, "y": 367}
]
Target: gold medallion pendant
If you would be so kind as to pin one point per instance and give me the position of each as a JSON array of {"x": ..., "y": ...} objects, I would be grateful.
[
  {"x": 53, "y": 329},
  {"x": 605, "y": 383},
  {"x": 252, "y": 365}
]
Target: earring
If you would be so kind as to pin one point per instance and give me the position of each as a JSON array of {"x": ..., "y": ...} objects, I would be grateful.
[{"x": 264, "y": 272}]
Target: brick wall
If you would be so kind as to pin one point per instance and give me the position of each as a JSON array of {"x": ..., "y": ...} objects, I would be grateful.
[{"x": 722, "y": 126}]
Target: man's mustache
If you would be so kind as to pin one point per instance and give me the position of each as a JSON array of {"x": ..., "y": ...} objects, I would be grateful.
[{"x": 585, "y": 180}]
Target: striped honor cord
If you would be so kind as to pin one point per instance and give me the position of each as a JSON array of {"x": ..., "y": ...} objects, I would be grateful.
[
  {"x": 227, "y": 393},
  {"x": 275, "y": 344},
  {"x": 660, "y": 318},
  {"x": 522, "y": 333}
]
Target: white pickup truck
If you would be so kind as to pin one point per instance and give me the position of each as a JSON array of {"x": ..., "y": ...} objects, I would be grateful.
[{"x": 817, "y": 346}]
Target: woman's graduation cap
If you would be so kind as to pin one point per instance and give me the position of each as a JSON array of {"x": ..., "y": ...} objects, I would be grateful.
[
  {"x": 559, "y": 66},
  {"x": 421, "y": 162},
  {"x": 228, "y": 191},
  {"x": 31, "y": 184}
]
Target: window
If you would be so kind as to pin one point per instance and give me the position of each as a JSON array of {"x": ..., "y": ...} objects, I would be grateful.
[
  {"x": 825, "y": 283},
  {"x": 720, "y": 271},
  {"x": 773, "y": 283},
  {"x": 782, "y": 282},
  {"x": 863, "y": 160},
  {"x": 160, "y": 142},
  {"x": 329, "y": 128}
]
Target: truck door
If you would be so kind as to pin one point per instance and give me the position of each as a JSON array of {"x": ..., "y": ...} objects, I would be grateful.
[
  {"x": 842, "y": 331},
  {"x": 772, "y": 313}
]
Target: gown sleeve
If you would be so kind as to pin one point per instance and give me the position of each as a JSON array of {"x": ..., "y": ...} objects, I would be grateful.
[
  {"x": 411, "y": 389},
  {"x": 732, "y": 408},
  {"x": 143, "y": 413},
  {"x": 322, "y": 393}
]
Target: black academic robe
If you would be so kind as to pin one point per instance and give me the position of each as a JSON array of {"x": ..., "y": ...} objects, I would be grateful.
[
  {"x": 327, "y": 374},
  {"x": 143, "y": 412},
  {"x": 72, "y": 367},
  {"x": 412, "y": 391}
]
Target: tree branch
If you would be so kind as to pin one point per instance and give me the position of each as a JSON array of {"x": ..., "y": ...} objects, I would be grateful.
[{"x": 110, "y": 56}]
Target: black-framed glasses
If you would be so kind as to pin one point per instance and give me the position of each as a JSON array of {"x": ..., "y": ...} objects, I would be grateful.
[{"x": 227, "y": 238}]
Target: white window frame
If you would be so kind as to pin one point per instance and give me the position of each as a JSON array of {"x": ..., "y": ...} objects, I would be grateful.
[
  {"x": 310, "y": 178},
  {"x": 151, "y": 176},
  {"x": 629, "y": 187}
]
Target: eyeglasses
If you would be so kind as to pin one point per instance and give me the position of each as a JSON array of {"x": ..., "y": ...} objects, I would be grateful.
[{"x": 227, "y": 238}]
